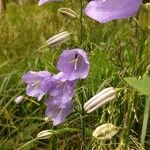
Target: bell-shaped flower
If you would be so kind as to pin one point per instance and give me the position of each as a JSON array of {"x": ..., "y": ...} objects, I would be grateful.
[
  {"x": 100, "y": 99},
  {"x": 107, "y": 10},
  {"x": 56, "y": 112},
  {"x": 57, "y": 86},
  {"x": 34, "y": 80},
  {"x": 74, "y": 64},
  {"x": 41, "y": 2}
]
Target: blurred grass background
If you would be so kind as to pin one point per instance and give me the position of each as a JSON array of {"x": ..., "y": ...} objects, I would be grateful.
[{"x": 116, "y": 50}]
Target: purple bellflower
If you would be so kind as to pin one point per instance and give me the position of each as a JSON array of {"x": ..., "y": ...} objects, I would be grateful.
[
  {"x": 34, "y": 80},
  {"x": 41, "y": 2},
  {"x": 107, "y": 10},
  {"x": 57, "y": 86},
  {"x": 61, "y": 92},
  {"x": 74, "y": 64},
  {"x": 56, "y": 112}
]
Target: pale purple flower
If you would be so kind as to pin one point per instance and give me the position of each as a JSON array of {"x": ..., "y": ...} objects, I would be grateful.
[
  {"x": 107, "y": 10},
  {"x": 41, "y": 2},
  {"x": 34, "y": 80},
  {"x": 74, "y": 64},
  {"x": 57, "y": 86},
  {"x": 56, "y": 112}
]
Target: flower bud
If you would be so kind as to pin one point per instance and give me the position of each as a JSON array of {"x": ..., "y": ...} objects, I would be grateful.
[
  {"x": 67, "y": 12},
  {"x": 58, "y": 39},
  {"x": 45, "y": 134},
  {"x": 100, "y": 99},
  {"x": 18, "y": 99},
  {"x": 144, "y": 16},
  {"x": 105, "y": 131}
]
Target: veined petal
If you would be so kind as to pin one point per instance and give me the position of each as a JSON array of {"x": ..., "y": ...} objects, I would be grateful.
[{"x": 104, "y": 11}]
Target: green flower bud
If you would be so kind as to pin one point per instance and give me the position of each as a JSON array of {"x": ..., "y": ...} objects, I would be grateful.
[
  {"x": 67, "y": 12},
  {"x": 45, "y": 134},
  {"x": 105, "y": 131},
  {"x": 100, "y": 99},
  {"x": 58, "y": 39}
]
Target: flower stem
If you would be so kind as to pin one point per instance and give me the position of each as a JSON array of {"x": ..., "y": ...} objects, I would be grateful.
[
  {"x": 145, "y": 120},
  {"x": 82, "y": 102},
  {"x": 26, "y": 144},
  {"x": 81, "y": 22}
]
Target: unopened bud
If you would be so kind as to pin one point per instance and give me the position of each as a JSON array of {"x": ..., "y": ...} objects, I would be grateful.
[
  {"x": 100, "y": 99},
  {"x": 58, "y": 39},
  {"x": 144, "y": 16},
  {"x": 45, "y": 134},
  {"x": 67, "y": 12},
  {"x": 46, "y": 119},
  {"x": 105, "y": 131},
  {"x": 18, "y": 99}
]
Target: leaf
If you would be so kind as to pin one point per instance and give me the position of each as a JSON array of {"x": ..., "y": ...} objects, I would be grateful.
[{"x": 142, "y": 85}]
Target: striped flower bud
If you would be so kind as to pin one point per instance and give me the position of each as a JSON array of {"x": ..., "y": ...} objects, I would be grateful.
[
  {"x": 58, "y": 39},
  {"x": 100, "y": 99},
  {"x": 18, "y": 99},
  {"x": 144, "y": 16},
  {"x": 105, "y": 131},
  {"x": 45, "y": 134},
  {"x": 67, "y": 12}
]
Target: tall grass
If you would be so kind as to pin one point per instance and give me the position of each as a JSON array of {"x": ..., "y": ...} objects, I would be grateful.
[{"x": 115, "y": 52}]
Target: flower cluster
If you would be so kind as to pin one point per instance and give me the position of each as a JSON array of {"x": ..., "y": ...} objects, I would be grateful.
[
  {"x": 107, "y": 10},
  {"x": 73, "y": 65}
]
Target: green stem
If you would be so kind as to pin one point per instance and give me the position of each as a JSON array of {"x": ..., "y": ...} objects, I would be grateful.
[
  {"x": 81, "y": 21},
  {"x": 29, "y": 142},
  {"x": 82, "y": 102},
  {"x": 145, "y": 120},
  {"x": 128, "y": 125}
]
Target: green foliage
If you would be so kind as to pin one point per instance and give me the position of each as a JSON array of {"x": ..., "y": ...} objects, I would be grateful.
[
  {"x": 142, "y": 85},
  {"x": 116, "y": 51}
]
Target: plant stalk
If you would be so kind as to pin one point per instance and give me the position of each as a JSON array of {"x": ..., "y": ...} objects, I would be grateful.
[
  {"x": 145, "y": 120},
  {"x": 82, "y": 102}
]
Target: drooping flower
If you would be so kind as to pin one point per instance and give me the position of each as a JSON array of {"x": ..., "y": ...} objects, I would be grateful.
[
  {"x": 34, "y": 80},
  {"x": 74, "y": 64},
  {"x": 107, "y": 10},
  {"x": 57, "y": 86},
  {"x": 41, "y": 2},
  {"x": 56, "y": 112},
  {"x": 100, "y": 99}
]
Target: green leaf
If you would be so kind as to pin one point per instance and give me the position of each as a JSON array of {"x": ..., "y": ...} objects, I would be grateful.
[{"x": 142, "y": 85}]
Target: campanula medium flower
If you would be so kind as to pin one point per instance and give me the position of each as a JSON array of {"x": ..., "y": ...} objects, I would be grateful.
[
  {"x": 34, "y": 80},
  {"x": 74, "y": 64},
  {"x": 56, "y": 112},
  {"x": 57, "y": 86},
  {"x": 107, "y": 10}
]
